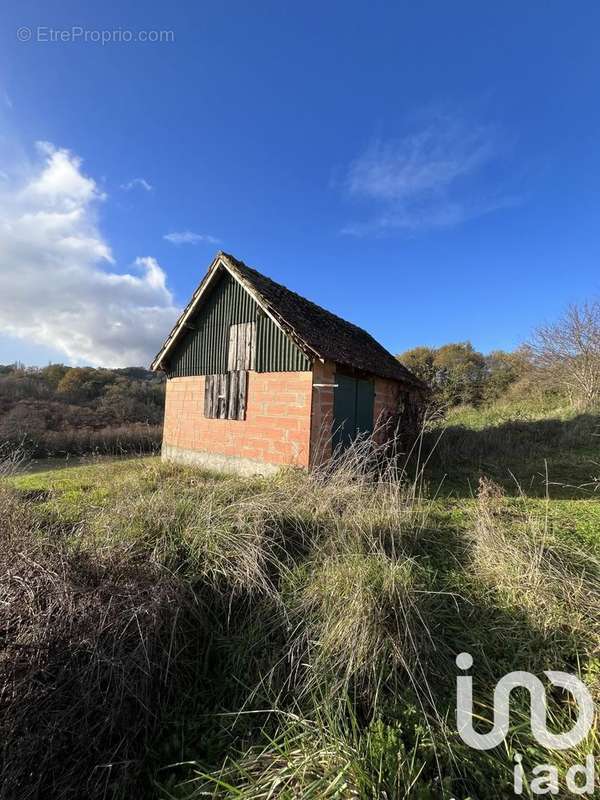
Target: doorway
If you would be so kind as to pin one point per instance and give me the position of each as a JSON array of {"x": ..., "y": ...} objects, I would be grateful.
[{"x": 353, "y": 401}]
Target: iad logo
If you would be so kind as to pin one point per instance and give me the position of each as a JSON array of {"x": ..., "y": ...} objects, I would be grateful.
[
  {"x": 537, "y": 693},
  {"x": 547, "y": 776}
]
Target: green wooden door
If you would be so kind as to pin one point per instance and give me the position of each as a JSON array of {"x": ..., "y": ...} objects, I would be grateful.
[
  {"x": 365, "y": 396},
  {"x": 344, "y": 410},
  {"x": 352, "y": 409}
]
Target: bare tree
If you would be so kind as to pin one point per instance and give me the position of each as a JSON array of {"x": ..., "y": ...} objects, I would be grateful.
[{"x": 569, "y": 351}]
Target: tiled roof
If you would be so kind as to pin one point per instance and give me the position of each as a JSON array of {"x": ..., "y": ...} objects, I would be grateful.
[{"x": 326, "y": 334}]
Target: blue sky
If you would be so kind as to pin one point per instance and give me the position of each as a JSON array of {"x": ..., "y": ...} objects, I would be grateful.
[{"x": 430, "y": 171}]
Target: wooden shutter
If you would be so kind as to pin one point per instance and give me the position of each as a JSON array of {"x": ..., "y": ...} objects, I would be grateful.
[
  {"x": 222, "y": 396},
  {"x": 225, "y": 395},
  {"x": 242, "y": 347},
  {"x": 211, "y": 391},
  {"x": 232, "y": 397},
  {"x": 242, "y": 390}
]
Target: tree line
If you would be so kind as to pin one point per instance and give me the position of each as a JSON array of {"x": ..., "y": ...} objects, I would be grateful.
[{"x": 561, "y": 359}]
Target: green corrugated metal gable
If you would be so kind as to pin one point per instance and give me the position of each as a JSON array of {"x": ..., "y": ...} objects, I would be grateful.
[
  {"x": 276, "y": 352},
  {"x": 202, "y": 350}
]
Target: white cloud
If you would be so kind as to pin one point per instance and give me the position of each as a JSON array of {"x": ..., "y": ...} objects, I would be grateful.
[
  {"x": 426, "y": 178},
  {"x": 141, "y": 182},
  {"x": 60, "y": 186},
  {"x": 58, "y": 286},
  {"x": 188, "y": 237}
]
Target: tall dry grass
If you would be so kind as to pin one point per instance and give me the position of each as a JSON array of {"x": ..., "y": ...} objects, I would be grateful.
[
  {"x": 516, "y": 556},
  {"x": 290, "y": 636},
  {"x": 117, "y": 440},
  {"x": 12, "y": 459},
  {"x": 95, "y": 646}
]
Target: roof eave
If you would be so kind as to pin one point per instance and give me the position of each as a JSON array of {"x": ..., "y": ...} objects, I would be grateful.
[{"x": 157, "y": 364}]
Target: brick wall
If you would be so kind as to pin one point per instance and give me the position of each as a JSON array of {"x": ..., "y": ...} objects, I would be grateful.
[
  {"x": 288, "y": 420},
  {"x": 387, "y": 407},
  {"x": 398, "y": 409},
  {"x": 322, "y": 412},
  {"x": 276, "y": 429}
]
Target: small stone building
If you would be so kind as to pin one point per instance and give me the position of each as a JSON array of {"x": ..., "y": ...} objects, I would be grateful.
[{"x": 259, "y": 377}]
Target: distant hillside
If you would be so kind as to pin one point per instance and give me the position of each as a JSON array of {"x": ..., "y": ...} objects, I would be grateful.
[{"x": 57, "y": 410}]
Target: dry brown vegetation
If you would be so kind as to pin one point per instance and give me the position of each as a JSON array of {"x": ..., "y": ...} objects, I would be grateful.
[
  {"x": 173, "y": 633},
  {"x": 58, "y": 410},
  {"x": 95, "y": 644}
]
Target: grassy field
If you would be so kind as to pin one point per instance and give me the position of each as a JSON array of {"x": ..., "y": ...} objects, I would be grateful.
[{"x": 171, "y": 633}]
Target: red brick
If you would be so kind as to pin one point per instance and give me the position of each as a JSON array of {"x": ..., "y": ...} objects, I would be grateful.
[{"x": 277, "y": 425}]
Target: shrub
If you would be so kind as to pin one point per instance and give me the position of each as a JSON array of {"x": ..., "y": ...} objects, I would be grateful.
[{"x": 122, "y": 440}]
